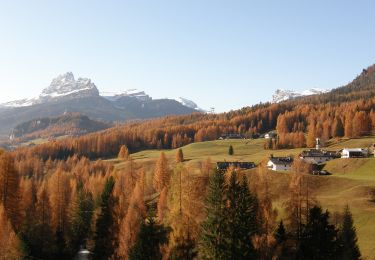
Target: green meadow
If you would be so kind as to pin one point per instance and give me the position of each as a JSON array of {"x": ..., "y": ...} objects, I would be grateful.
[{"x": 352, "y": 181}]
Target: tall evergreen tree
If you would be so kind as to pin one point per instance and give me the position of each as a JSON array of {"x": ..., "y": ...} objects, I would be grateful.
[
  {"x": 240, "y": 220},
  {"x": 150, "y": 237},
  {"x": 81, "y": 215},
  {"x": 348, "y": 246},
  {"x": 284, "y": 249},
  {"x": 280, "y": 233},
  {"x": 230, "y": 150},
  {"x": 184, "y": 249},
  {"x": 318, "y": 237},
  {"x": 103, "y": 247},
  {"x": 339, "y": 128},
  {"x": 211, "y": 244}
]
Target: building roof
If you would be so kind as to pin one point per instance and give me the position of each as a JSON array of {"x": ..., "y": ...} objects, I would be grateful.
[
  {"x": 232, "y": 136},
  {"x": 318, "y": 153},
  {"x": 281, "y": 160},
  {"x": 242, "y": 165},
  {"x": 354, "y": 149}
]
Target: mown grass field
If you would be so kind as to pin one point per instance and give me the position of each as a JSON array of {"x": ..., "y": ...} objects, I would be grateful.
[{"x": 352, "y": 181}]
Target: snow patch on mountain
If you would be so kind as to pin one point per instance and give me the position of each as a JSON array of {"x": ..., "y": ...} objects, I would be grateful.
[
  {"x": 138, "y": 94},
  {"x": 20, "y": 103},
  {"x": 284, "y": 94},
  {"x": 187, "y": 103}
]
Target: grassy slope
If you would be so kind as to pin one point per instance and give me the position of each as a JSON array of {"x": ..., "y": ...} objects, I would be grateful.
[{"x": 351, "y": 182}]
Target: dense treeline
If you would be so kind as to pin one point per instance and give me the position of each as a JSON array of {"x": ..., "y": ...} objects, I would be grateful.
[
  {"x": 173, "y": 212},
  {"x": 325, "y": 121}
]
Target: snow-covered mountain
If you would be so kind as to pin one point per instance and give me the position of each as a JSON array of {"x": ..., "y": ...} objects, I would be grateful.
[
  {"x": 284, "y": 94},
  {"x": 135, "y": 93},
  {"x": 66, "y": 94},
  {"x": 63, "y": 86}
]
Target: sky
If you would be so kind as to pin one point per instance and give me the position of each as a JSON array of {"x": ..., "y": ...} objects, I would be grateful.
[{"x": 221, "y": 54}]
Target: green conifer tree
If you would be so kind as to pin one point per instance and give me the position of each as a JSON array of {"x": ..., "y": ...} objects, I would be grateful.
[
  {"x": 348, "y": 246},
  {"x": 149, "y": 239},
  {"x": 339, "y": 128},
  {"x": 240, "y": 220},
  {"x": 103, "y": 247},
  {"x": 185, "y": 249},
  {"x": 82, "y": 213},
  {"x": 280, "y": 233},
  {"x": 230, "y": 150},
  {"x": 318, "y": 239},
  {"x": 211, "y": 243},
  {"x": 284, "y": 249}
]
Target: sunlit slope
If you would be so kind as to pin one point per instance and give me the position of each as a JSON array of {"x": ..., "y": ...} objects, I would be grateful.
[{"x": 352, "y": 181}]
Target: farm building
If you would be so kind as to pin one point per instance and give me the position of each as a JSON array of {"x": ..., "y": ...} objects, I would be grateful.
[
  {"x": 317, "y": 156},
  {"x": 354, "y": 153},
  {"x": 240, "y": 165},
  {"x": 270, "y": 135},
  {"x": 280, "y": 163},
  {"x": 231, "y": 136}
]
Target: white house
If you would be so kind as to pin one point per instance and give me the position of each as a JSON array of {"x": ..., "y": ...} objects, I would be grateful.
[
  {"x": 279, "y": 163},
  {"x": 354, "y": 153}
]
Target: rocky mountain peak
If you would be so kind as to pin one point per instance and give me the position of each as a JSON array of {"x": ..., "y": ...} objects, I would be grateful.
[{"x": 65, "y": 85}]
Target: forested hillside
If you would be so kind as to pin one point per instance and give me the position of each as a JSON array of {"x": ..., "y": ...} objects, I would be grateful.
[
  {"x": 347, "y": 111},
  {"x": 70, "y": 124},
  {"x": 89, "y": 192},
  {"x": 165, "y": 209}
]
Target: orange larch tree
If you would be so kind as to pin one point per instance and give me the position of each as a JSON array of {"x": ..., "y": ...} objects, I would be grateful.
[{"x": 161, "y": 174}]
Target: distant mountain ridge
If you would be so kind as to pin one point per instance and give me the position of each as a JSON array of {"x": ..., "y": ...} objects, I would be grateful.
[
  {"x": 65, "y": 86},
  {"x": 66, "y": 94}
]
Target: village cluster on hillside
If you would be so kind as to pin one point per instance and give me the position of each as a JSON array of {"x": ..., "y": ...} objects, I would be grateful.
[{"x": 314, "y": 157}]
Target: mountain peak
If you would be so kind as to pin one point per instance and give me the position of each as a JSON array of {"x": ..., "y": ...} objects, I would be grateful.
[
  {"x": 63, "y": 86},
  {"x": 66, "y": 85},
  {"x": 62, "y": 79}
]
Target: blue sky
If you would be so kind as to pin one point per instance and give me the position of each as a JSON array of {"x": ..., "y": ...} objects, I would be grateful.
[{"x": 222, "y": 54}]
